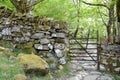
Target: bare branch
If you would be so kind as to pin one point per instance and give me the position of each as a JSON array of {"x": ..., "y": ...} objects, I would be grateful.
[
  {"x": 103, "y": 5},
  {"x": 102, "y": 18},
  {"x": 15, "y": 3},
  {"x": 34, "y": 2},
  {"x": 104, "y": 14}
]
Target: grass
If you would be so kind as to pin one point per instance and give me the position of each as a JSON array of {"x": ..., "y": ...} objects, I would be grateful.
[
  {"x": 63, "y": 72},
  {"x": 9, "y": 68},
  {"x": 115, "y": 77}
]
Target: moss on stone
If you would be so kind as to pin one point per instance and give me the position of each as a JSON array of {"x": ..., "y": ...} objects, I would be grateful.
[{"x": 33, "y": 63}]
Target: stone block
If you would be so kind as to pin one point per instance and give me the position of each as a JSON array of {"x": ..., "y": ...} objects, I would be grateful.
[
  {"x": 58, "y": 35},
  {"x": 37, "y": 35},
  {"x": 41, "y": 47}
]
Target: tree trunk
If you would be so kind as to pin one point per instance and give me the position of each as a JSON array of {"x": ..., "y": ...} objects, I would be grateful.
[
  {"x": 24, "y": 6},
  {"x": 110, "y": 24},
  {"x": 118, "y": 19}
]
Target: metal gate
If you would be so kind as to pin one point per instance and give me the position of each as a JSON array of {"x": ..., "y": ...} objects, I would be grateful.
[{"x": 84, "y": 49}]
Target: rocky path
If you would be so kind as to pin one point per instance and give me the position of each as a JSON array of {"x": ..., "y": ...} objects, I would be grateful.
[
  {"x": 82, "y": 70},
  {"x": 86, "y": 71}
]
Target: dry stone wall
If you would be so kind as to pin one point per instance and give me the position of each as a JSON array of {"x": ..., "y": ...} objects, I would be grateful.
[
  {"x": 110, "y": 57},
  {"x": 48, "y": 36}
]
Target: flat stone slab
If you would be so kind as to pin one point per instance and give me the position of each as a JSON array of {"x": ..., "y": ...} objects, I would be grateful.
[
  {"x": 37, "y": 35},
  {"x": 74, "y": 78},
  {"x": 91, "y": 77},
  {"x": 44, "y": 41},
  {"x": 105, "y": 78},
  {"x": 97, "y": 77},
  {"x": 58, "y": 35}
]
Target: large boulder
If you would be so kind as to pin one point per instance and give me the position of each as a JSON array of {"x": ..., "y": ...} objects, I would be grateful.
[{"x": 33, "y": 64}]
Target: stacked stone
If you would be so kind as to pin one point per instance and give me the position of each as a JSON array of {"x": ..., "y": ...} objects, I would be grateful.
[
  {"x": 110, "y": 57},
  {"x": 47, "y": 35}
]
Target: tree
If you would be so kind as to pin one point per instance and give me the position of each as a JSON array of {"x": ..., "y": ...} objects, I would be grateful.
[
  {"x": 77, "y": 4},
  {"x": 24, "y": 6},
  {"x": 109, "y": 5},
  {"x": 118, "y": 19}
]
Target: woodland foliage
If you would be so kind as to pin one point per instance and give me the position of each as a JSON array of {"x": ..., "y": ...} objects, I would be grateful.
[{"x": 84, "y": 14}]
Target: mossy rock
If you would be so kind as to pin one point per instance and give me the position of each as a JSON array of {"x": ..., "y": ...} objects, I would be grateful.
[
  {"x": 33, "y": 64},
  {"x": 28, "y": 48},
  {"x": 2, "y": 48},
  {"x": 20, "y": 77},
  {"x": 51, "y": 60},
  {"x": 60, "y": 67}
]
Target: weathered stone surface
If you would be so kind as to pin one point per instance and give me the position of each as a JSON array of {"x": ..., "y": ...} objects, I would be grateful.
[
  {"x": 26, "y": 39},
  {"x": 6, "y": 31},
  {"x": 44, "y": 41},
  {"x": 74, "y": 78},
  {"x": 50, "y": 46},
  {"x": 45, "y": 34},
  {"x": 28, "y": 34},
  {"x": 7, "y": 21},
  {"x": 53, "y": 66},
  {"x": 117, "y": 70},
  {"x": 33, "y": 63},
  {"x": 43, "y": 53},
  {"x": 58, "y": 35},
  {"x": 41, "y": 47},
  {"x": 20, "y": 77},
  {"x": 58, "y": 53},
  {"x": 15, "y": 29},
  {"x": 59, "y": 46},
  {"x": 49, "y": 55},
  {"x": 62, "y": 60},
  {"x": 17, "y": 39},
  {"x": 2, "y": 48},
  {"x": 37, "y": 36},
  {"x": 1, "y": 26},
  {"x": 51, "y": 60},
  {"x": 60, "y": 67},
  {"x": 91, "y": 77},
  {"x": 0, "y": 35},
  {"x": 44, "y": 28},
  {"x": 110, "y": 56}
]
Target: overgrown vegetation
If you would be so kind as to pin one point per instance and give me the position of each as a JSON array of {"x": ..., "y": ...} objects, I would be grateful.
[
  {"x": 11, "y": 67},
  {"x": 77, "y": 14},
  {"x": 89, "y": 16}
]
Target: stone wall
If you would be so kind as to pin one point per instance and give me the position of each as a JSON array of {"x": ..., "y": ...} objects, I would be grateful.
[
  {"x": 46, "y": 35},
  {"x": 110, "y": 57}
]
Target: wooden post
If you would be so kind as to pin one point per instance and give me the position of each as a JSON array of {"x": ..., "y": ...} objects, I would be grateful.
[{"x": 98, "y": 52}]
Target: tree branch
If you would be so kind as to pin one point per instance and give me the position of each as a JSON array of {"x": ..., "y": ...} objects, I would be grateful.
[
  {"x": 15, "y": 3},
  {"x": 103, "y": 5},
  {"x": 102, "y": 18},
  {"x": 34, "y": 2}
]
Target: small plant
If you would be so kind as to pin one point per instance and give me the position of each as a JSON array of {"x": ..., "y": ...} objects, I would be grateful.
[
  {"x": 16, "y": 51},
  {"x": 116, "y": 77},
  {"x": 63, "y": 72}
]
